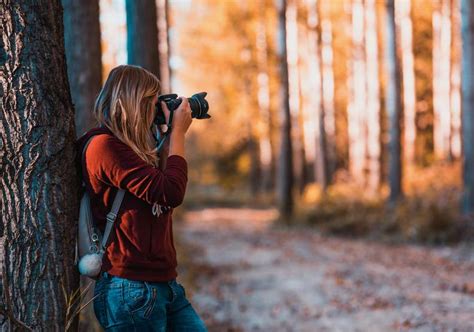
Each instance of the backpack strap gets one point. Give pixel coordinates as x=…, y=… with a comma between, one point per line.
x=112, y=215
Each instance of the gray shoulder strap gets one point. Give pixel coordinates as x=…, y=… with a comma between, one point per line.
x=112, y=215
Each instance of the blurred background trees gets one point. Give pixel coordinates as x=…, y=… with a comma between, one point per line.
x=315, y=100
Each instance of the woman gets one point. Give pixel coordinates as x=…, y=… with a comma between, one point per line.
x=137, y=288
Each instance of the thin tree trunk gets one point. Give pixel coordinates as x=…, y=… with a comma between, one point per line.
x=164, y=45
x=308, y=73
x=142, y=35
x=83, y=53
x=294, y=93
x=373, y=99
x=467, y=85
x=455, y=86
x=39, y=185
x=285, y=170
x=405, y=26
x=381, y=41
x=321, y=162
x=394, y=106
x=263, y=99
x=341, y=38
x=357, y=104
x=422, y=49
x=441, y=78
x=327, y=84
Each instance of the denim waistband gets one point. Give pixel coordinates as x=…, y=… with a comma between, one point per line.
x=108, y=276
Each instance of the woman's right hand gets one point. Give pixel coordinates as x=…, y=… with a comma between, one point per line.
x=179, y=126
x=181, y=117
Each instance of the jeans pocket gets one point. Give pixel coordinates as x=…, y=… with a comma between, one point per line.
x=137, y=295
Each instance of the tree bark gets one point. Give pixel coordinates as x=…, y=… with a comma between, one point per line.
x=263, y=98
x=441, y=78
x=83, y=53
x=373, y=99
x=467, y=99
x=39, y=184
x=142, y=35
x=285, y=162
x=455, y=79
x=381, y=41
x=422, y=50
x=405, y=26
x=321, y=160
x=358, y=97
x=164, y=45
x=394, y=105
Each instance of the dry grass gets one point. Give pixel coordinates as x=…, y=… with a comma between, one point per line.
x=429, y=212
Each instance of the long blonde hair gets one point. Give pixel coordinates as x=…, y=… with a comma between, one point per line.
x=124, y=105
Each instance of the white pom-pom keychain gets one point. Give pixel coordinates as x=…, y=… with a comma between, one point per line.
x=90, y=265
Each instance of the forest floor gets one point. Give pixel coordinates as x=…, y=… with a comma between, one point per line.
x=250, y=275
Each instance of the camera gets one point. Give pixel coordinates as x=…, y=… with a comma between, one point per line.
x=198, y=104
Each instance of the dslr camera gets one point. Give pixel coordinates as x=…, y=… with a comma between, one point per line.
x=198, y=104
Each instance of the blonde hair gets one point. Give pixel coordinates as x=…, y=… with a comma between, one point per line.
x=125, y=106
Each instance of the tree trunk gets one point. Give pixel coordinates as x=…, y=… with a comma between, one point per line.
x=341, y=51
x=142, y=35
x=321, y=161
x=441, y=78
x=39, y=196
x=297, y=137
x=285, y=162
x=422, y=49
x=263, y=100
x=327, y=85
x=381, y=42
x=405, y=26
x=373, y=99
x=394, y=106
x=467, y=99
x=164, y=45
x=83, y=53
x=358, y=100
x=455, y=86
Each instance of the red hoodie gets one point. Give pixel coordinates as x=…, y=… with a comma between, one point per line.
x=141, y=242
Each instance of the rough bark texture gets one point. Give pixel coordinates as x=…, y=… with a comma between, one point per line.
x=467, y=100
x=394, y=105
x=142, y=35
x=39, y=197
x=285, y=162
x=83, y=53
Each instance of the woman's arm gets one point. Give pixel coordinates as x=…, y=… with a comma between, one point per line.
x=116, y=164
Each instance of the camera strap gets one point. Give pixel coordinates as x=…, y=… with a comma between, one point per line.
x=161, y=139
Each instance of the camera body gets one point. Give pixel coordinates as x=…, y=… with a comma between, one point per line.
x=198, y=103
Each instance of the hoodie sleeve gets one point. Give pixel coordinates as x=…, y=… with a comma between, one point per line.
x=116, y=164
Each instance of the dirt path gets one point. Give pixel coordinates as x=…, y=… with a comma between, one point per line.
x=254, y=277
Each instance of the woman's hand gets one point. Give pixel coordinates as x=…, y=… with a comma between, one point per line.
x=182, y=116
x=180, y=124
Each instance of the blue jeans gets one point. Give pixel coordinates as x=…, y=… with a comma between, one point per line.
x=130, y=305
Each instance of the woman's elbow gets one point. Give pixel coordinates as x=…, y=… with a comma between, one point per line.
x=175, y=196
